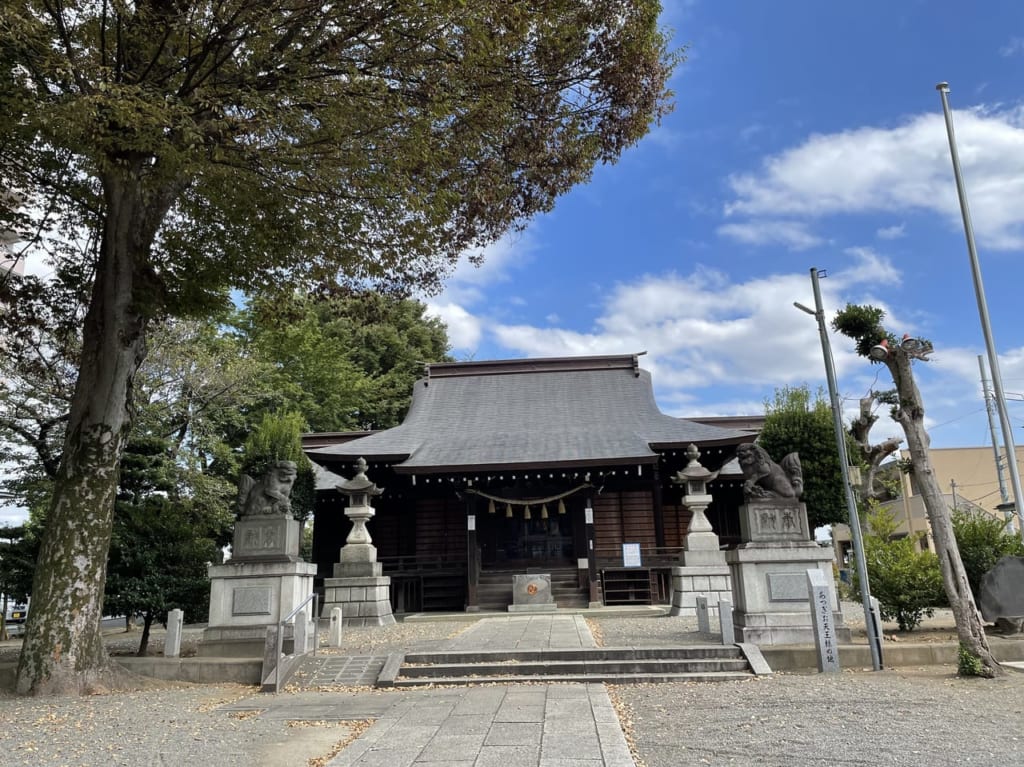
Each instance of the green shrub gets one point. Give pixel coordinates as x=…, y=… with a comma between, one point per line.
x=969, y=664
x=906, y=582
x=983, y=541
x=279, y=438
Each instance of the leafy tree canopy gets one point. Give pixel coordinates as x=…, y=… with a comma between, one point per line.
x=196, y=147
x=303, y=141
x=345, y=361
x=799, y=421
x=163, y=539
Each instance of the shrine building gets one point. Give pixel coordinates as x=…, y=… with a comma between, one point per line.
x=560, y=465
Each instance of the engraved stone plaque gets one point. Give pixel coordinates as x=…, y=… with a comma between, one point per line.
x=250, y=600
x=265, y=537
x=771, y=521
x=787, y=587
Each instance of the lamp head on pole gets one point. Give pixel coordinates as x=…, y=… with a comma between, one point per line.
x=880, y=351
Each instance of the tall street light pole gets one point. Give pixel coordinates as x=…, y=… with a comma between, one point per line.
x=986, y=326
x=874, y=640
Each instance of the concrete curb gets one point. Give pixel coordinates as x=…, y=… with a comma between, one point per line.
x=804, y=657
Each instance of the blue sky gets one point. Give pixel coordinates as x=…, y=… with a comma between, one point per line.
x=804, y=134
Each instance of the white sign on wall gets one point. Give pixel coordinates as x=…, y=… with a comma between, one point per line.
x=631, y=555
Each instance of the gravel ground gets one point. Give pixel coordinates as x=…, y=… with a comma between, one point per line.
x=914, y=717
x=906, y=717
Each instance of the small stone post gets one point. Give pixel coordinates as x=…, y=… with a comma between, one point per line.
x=301, y=634
x=172, y=642
x=335, y=631
x=703, y=622
x=725, y=622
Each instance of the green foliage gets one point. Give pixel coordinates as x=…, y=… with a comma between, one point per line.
x=983, y=541
x=18, y=552
x=279, y=438
x=863, y=324
x=346, y=361
x=969, y=664
x=163, y=541
x=906, y=582
x=340, y=142
x=797, y=421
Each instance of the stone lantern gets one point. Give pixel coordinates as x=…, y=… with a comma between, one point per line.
x=701, y=545
x=702, y=573
x=359, y=587
x=358, y=555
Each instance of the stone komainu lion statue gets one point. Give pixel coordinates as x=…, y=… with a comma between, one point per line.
x=269, y=495
x=763, y=478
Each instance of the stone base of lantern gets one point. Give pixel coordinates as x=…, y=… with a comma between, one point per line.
x=365, y=600
x=688, y=583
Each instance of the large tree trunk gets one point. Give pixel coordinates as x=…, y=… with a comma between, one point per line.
x=62, y=652
x=970, y=630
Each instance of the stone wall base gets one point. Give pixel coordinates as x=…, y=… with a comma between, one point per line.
x=688, y=583
x=364, y=601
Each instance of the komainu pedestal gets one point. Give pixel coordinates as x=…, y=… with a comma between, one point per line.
x=769, y=575
x=265, y=579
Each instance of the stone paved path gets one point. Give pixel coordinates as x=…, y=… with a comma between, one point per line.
x=535, y=725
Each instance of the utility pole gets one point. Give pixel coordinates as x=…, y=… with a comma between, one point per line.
x=986, y=325
x=1003, y=495
x=874, y=639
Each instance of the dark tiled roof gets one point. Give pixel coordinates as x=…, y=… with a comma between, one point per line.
x=564, y=411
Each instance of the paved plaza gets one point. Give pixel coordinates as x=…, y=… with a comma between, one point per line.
x=536, y=725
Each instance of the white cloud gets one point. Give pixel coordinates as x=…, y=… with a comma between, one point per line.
x=465, y=289
x=902, y=168
x=894, y=232
x=792, y=234
x=703, y=330
x=464, y=330
x=1012, y=48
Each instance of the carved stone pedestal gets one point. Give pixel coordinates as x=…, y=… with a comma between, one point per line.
x=249, y=594
x=265, y=580
x=769, y=575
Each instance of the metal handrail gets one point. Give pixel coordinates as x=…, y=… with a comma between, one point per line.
x=280, y=635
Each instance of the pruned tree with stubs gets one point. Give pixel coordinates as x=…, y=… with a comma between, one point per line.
x=198, y=147
x=863, y=324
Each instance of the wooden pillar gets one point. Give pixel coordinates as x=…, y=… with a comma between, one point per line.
x=591, y=555
x=659, y=512
x=472, y=557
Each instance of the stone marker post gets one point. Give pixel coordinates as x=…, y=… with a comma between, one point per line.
x=334, y=633
x=172, y=642
x=703, y=624
x=823, y=621
x=725, y=622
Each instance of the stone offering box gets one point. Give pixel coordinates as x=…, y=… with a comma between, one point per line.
x=531, y=593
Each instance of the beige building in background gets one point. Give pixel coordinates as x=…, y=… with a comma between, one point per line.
x=968, y=478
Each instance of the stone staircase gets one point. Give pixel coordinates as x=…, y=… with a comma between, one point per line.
x=494, y=589
x=623, y=665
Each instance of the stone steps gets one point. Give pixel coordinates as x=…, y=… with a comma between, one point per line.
x=623, y=665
